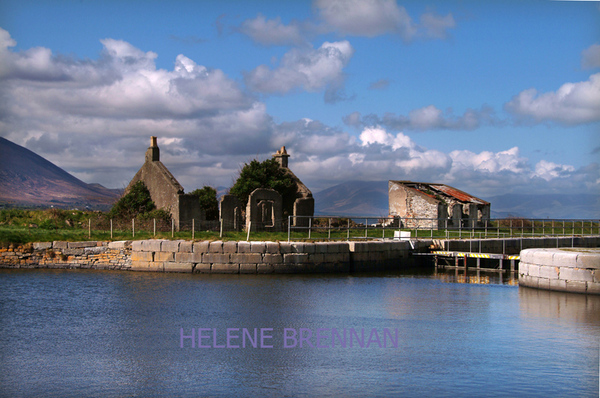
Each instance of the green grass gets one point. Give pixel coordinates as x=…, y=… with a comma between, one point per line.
x=19, y=226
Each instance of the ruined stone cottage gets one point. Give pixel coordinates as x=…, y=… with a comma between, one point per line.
x=165, y=190
x=264, y=210
x=426, y=205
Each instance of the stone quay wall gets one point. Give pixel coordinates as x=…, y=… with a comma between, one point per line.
x=567, y=270
x=215, y=256
x=270, y=257
x=59, y=254
x=515, y=245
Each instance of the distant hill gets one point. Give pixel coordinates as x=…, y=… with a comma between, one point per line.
x=27, y=179
x=353, y=198
x=370, y=198
x=556, y=206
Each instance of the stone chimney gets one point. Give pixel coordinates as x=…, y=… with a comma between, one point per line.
x=153, y=153
x=282, y=157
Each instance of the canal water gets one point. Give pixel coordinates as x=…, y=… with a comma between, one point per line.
x=98, y=333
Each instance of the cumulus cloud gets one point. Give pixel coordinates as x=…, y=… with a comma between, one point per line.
x=590, y=57
x=311, y=70
x=571, y=104
x=433, y=118
x=94, y=118
x=273, y=31
x=436, y=26
x=366, y=17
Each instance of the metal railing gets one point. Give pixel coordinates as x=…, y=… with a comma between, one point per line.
x=352, y=227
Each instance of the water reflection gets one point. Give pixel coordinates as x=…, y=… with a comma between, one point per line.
x=91, y=333
x=571, y=307
x=477, y=277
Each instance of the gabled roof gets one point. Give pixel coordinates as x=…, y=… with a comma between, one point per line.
x=442, y=190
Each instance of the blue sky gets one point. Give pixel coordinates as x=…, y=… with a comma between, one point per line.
x=488, y=96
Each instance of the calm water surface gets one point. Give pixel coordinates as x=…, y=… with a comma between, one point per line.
x=95, y=333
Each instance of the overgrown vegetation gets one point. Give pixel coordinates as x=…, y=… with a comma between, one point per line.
x=266, y=174
x=207, y=196
x=137, y=203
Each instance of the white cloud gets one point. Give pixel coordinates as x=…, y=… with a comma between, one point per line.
x=436, y=26
x=549, y=170
x=430, y=118
x=590, y=57
x=572, y=103
x=366, y=17
x=272, y=31
x=311, y=70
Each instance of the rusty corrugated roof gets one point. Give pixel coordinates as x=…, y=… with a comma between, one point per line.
x=458, y=194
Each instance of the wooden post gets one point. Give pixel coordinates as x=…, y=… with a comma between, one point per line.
x=172, y=228
x=348, y=230
x=111, y=229
x=249, y=229
x=221, y=229
x=329, y=230
x=309, y=226
x=154, y=226
x=193, y=228
x=89, y=228
x=133, y=227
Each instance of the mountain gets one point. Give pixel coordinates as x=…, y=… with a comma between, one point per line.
x=353, y=198
x=557, y=206
x=27, y=179
x=370, y=198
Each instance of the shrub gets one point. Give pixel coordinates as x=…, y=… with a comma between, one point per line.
x=266, y=174
x=207, y=196
x=136, y=202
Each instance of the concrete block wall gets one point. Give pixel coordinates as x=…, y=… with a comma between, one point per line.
x=567, y=270
x=515, y=245
x=268, y=257
x=59, y=254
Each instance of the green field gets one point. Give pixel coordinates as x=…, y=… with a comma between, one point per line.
x=19, y=226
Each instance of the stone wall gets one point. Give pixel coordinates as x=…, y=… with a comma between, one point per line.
x=269, y=257
x=91, y=255
x=568, y=270
x=514, y=245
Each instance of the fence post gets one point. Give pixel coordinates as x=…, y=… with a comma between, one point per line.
x=366, y=228
x=289, y=226
x=309, y=226
x=193, y=228
x=154, y=226
x=249, y=229
x=329, y=230
x=133, y=227
x=111, y=229
x=511, y=231
x=348, y=230
x=89, y=228
x=486, y=223
x=221, y=228
x=172, y=228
